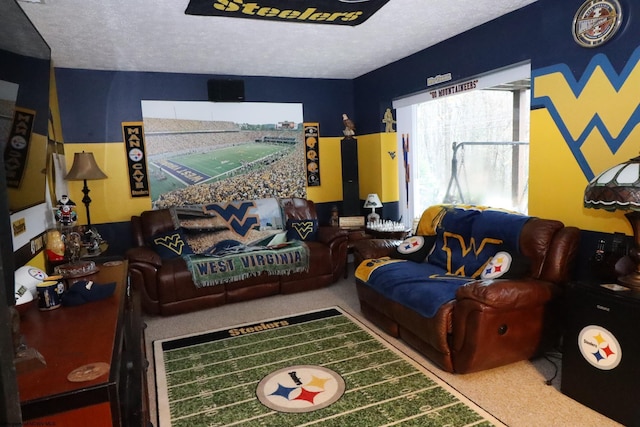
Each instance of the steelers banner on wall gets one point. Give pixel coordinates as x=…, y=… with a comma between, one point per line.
x=343, y=12
x=15, y=153
x=133, y=133
x=312, y=153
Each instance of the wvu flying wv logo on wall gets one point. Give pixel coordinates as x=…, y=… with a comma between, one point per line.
x=597, y=113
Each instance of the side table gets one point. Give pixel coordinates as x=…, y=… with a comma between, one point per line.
x=392, y=235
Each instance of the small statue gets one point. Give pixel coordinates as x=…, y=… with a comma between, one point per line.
x=388, y=120
x=66, y=214
x=349, y=127
x=335, y=220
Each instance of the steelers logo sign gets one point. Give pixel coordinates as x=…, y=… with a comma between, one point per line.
x=135, y=154
x=18, y=142
x=301, y=388
x=596, y=22
x=599, y=347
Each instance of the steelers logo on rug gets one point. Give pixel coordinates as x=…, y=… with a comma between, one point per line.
x=302, y=388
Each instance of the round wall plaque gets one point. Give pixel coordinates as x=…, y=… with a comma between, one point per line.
x=596, y=22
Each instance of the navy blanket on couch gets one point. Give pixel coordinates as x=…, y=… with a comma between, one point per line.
x=466, y=241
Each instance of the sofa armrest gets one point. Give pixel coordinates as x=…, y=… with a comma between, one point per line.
x=327, y=234
x=373, y=249
x=507, y=293
x=145, y=255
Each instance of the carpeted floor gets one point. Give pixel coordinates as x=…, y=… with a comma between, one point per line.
x=515, y=394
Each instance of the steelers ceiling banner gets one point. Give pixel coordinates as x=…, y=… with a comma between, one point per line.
x=336, y=12
x=133, y=134
x=312, y=150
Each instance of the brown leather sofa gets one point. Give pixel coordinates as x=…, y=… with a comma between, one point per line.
x=166, y=286
x=489, y=323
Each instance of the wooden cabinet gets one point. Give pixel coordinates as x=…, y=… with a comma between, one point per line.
x=107, y=331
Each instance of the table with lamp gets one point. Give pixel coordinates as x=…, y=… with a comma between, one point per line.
x=382, y=229
x=81, y=241
x=600, y=347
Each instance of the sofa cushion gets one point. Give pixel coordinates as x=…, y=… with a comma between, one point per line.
x=422, y=287
x=414, y=248
x=170, y=244
x=302, y=229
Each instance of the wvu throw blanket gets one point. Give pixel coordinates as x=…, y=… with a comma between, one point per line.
x=467, y=239
x=244, y=221
x=240, y=262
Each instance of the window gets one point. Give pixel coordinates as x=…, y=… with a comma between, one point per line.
x=470, y=147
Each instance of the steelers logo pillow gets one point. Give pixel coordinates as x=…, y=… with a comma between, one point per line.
x=505, y=266
x=415, y=248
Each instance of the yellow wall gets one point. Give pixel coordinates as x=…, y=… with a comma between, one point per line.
x=586, y=124
x=378, y=159
x=111, y=199
x=330, y=188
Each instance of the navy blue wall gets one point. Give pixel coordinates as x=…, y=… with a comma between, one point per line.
x=540, y=33
x=93, y=104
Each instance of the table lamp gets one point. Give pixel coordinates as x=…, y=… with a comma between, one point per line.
x=85, y=168
x=373, y=202
x=618, y=188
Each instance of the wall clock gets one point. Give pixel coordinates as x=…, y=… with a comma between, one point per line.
x=596, y=22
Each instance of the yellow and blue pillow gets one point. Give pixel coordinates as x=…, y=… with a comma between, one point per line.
x=302, y=229
x=170, y=244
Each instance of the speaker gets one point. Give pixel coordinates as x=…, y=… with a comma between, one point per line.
x=225, y=90
x=350, y=182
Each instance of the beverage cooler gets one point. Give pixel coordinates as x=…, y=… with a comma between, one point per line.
x=601, y=350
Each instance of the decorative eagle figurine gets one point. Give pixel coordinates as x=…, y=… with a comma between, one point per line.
x=349, y=128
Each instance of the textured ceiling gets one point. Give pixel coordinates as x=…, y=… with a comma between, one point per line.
x=156, y=35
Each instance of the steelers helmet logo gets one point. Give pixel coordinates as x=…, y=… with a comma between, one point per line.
x=135, y=154
x=596, y=22
x=311, y=142
x=301, y=388
x=18, y=142
x=312, y=167
x=599, y=347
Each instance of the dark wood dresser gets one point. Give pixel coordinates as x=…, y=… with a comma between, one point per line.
x=109, y=331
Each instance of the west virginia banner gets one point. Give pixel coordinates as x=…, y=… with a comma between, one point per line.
x=133, y=134
x=342, y=12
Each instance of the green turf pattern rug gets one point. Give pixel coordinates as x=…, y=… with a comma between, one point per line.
x=321, y=368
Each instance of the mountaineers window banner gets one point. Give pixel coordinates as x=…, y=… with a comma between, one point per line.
x=337, y=12
x=133, y=134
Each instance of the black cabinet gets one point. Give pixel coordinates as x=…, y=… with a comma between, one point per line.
x=350, y=183
x=601, y=350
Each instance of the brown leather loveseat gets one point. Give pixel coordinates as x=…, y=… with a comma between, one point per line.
x=488, y=321
x=166, y=285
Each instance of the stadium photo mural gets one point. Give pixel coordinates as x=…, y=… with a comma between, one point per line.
x=207, y=152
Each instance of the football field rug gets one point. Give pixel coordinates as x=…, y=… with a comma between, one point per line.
x=320, y=368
